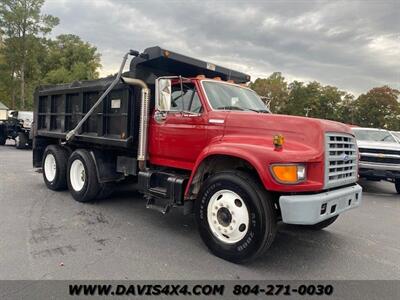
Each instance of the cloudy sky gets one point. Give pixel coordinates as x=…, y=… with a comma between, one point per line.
x=354, y=45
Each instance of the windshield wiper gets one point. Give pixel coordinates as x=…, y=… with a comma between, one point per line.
x=244, y=108
x=230, y=107
x=263, y=111
x=387, y=136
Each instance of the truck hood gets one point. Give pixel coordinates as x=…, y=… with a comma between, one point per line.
x=300, y=133
x=378, y=145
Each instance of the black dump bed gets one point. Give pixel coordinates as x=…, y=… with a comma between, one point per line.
x=59, y=108
x=155, y=62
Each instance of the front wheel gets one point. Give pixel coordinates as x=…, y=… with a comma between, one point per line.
x=397, y=185
x=235, y=216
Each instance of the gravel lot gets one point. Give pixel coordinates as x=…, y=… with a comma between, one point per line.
x=47, y=235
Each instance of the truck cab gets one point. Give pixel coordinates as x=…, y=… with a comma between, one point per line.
x=203, y=141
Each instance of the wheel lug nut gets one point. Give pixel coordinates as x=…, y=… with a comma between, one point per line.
x=225, y=230
x=231, y=228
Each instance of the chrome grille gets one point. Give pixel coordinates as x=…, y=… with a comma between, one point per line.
x=340, y=159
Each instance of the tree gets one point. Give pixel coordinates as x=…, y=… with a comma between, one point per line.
x=347, y=109
x=69, y=58
x=22, y=24
x=380, y=108
x=300, y=101
x=274, y=89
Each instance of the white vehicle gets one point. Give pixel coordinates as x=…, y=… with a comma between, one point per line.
x=396, y=134
x=379, y=155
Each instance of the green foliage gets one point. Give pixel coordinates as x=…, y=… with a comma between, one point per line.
x=315, y=100
x=69, y=58
x=28, y=59
x=379, y=107
x=274, y=90
x=22, y=26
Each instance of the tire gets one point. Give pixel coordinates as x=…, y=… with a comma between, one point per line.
x=54, y=166
x=240, y=244
x=323, y=224
x=82, y=176
x=397, y=185
x=21, y=140
x=106, y=190
x=2, y=140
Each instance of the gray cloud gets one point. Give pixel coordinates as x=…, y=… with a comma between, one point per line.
x=354, y=45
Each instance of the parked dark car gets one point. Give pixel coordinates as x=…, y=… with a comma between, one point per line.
x=17, y=127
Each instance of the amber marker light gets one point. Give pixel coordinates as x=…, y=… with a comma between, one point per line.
x=289, y=173
x=166, y=53
x=278, y=141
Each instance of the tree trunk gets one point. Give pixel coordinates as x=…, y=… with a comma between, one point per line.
x=23, y=85
x=13, y=104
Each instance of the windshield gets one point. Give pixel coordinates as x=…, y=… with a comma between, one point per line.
x=396, y=134
x=374, y=135
x=224, y=96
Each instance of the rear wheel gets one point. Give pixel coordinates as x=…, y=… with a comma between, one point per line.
x=54, y=166
x=21, y=140
x=106, y=190
x=82, y=176
x=397, y=185
x=2, y=140
x=235, y=216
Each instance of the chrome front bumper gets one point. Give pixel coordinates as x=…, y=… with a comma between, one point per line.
x=314, y=208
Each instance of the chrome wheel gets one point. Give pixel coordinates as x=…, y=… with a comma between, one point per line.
x=50, y=167
x=77, y=175
x=228, y=216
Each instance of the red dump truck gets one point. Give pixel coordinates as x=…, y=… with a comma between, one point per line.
x=191, y=134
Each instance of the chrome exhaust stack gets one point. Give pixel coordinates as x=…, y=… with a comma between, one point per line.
x=144, y=120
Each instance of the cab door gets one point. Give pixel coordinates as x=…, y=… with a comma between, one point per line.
x=178, y=138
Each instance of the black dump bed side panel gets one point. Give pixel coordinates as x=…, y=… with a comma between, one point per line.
x=59, y=108
x=155, y=62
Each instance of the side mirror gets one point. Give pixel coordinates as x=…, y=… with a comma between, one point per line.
x=163, y=94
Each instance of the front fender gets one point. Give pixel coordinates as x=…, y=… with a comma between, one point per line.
x=260, y=157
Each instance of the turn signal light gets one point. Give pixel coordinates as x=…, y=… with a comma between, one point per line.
x=289, y=173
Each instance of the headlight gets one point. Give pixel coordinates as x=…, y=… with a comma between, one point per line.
x=289, y=173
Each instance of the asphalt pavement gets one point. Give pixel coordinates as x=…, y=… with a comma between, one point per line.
x=47, y=235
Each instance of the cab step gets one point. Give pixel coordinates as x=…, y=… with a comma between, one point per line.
x=159, y=205
x=163, y=190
